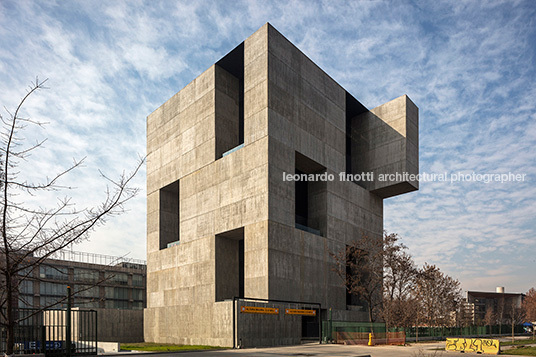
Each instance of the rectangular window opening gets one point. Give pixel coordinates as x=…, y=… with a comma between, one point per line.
x=353, y=109
x=229, y=102
x=169, y=215
x=230, y=264
x=310, y=197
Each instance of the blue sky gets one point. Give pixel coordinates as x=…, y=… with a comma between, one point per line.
x=468, y=65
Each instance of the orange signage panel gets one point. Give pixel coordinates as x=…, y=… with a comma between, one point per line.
x=300, y=312
x=259, y=310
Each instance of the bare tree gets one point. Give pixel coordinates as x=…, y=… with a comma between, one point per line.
x=438, y=295
x=529, y=308
x=382, y=274
x=379, y=273
x=489, y=318
x=501, y=306
x=30, y=235
x=464, y=316
x=360, y=268
x=514, y=314
x=399, y=273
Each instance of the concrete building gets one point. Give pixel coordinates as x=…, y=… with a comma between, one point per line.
x=222, y=221
x=499, y=306
x=113, y=286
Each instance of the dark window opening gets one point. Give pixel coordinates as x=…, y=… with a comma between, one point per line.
x=169, y=215
x=230, y=264
x=230, y=102
x=353, y=109
x=310, y=197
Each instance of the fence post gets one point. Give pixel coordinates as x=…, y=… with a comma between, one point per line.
x=329, y=337
x=96, y=332
x=68, y=324
x=43, y=339
x=234, y=322
x=319, y=324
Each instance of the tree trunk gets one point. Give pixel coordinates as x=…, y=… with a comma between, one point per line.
x=10, y=338
x=513, y=338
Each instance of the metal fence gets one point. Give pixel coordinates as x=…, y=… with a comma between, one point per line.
x=332, y=330
x=53, y=332
x=443, y=332
x=343, y=331
x=369, y=338
x=102, y=259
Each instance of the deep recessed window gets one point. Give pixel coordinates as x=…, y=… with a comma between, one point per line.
x=353, y=109
x=169, y=215
x=230, y=264
x=310, y=196
x=229, y=102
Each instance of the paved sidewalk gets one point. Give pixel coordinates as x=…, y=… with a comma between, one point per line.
x=435, y=349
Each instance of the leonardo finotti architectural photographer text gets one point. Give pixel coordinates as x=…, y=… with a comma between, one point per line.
x=405, y=176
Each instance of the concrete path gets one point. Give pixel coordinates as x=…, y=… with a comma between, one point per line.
x=327, y=350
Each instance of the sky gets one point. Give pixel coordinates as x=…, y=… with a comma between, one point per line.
x=468, y=65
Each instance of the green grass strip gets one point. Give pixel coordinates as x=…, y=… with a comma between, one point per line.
x=161, y=347
x=518, y=342
x=521, y=351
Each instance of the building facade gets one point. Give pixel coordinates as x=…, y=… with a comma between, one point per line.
x=490, y=308
x=115, y=287
x=225, y=219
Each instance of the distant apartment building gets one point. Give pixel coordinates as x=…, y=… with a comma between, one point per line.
x=114, y=286
x=498, y=306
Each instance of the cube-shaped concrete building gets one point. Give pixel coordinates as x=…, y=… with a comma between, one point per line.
x=222, y=220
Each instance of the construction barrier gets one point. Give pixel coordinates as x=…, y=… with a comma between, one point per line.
x=367, y=338
x=478, y=345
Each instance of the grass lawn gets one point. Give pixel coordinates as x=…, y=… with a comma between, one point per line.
x=523, y=351
x=518, y=342
x=161, y=347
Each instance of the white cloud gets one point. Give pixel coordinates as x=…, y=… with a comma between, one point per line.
x=469, y=70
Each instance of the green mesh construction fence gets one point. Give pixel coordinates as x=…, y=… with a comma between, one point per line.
x=463, y=331
x=331, y=328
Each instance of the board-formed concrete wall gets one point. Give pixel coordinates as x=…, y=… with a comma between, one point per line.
x=387, y=142
x=116, y=325
x=295, y=118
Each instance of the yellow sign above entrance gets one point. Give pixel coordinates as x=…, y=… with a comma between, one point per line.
x=300, y=312
x=259, y=310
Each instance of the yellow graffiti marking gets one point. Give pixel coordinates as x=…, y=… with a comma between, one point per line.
x=478, y=345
